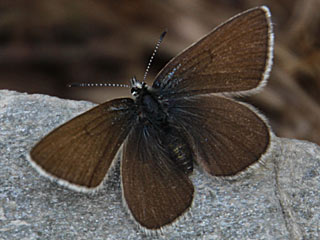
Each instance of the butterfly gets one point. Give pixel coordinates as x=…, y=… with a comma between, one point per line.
x=187, y=116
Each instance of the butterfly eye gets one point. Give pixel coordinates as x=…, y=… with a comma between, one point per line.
x=135, y=91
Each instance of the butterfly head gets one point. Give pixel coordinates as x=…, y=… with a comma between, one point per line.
x=137, y=87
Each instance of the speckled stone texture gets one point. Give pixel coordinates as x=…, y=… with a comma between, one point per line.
x=280, y=200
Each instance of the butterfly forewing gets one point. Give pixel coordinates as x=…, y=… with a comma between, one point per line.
x=228, y=136
x=81, y=151
x=234, y=57
x=156, y=191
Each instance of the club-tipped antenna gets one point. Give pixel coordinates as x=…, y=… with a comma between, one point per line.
x=154, y=53
x=98, y=85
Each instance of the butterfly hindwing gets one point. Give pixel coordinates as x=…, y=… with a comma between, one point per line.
x=155, y=190
x=228, y=136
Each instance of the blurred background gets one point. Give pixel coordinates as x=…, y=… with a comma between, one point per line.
x=45, y=45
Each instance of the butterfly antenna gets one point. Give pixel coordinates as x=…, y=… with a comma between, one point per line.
x=153, y=54
x=98, y=85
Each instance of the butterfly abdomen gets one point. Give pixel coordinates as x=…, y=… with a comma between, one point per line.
x=178, y=149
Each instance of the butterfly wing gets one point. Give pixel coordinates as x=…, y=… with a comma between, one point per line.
x=235, y=57
x=156, y=191
x=227, y=136
x=80, y=152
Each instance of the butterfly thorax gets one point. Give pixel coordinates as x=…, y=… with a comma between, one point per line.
x=150, y=110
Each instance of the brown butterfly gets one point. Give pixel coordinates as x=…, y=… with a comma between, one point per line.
x=186, y=116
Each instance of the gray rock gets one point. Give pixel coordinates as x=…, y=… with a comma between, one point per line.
x=277, y=201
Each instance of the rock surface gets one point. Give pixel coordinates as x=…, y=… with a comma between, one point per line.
x=280, y=200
